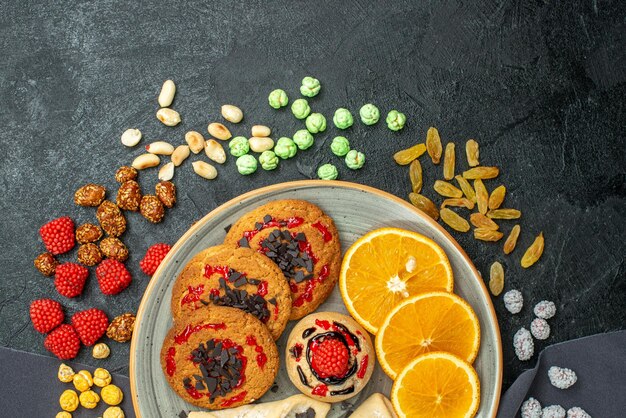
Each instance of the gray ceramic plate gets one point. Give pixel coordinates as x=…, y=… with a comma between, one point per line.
x=356, y=210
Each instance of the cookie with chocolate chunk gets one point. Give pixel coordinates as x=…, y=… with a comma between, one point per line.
x=302, y=240
x=237, y=277
x=219, y=358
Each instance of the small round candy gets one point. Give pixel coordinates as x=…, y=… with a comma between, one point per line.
x=327, y=172
x=278, y=98
x=268, y=160
x=82, y=380
x=316, y=122
x=285, y=148
x=239, y=146
x=112, y=395
x=355, y=159
x=246, y=164
x=340, y=146
x=63, y=414
x=65, y=373
x=300, y=108
x=68, y=400
x=369, y=114
x=310, y=86
x=343, y=118
x=303, y=139
x=113, y=412
x=101, y=377
x=89, y=399
x=395, y=120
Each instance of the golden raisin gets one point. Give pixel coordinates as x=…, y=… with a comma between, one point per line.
x=448, y=162
x=511, y=241
x=472, y=152
x=446, y=189
x=458, y=202
x=485, y=234
x=424, y=204
x=481, y=221
x=433, y=145
x=166, y=192
x=468, y=191
x=534, y=252
x=415, y=175
x=496, y=278
x=89, y=195
x=497, y=197
x=46, y=264
x=482, y=196
x=504, y=214
x=483, y=173
x=405, y=156
x=453, y=220
x=114, y=248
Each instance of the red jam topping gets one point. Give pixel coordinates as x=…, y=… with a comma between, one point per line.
x=194, y=393
x=170, y=363
x=276, y=311
x=214, y=292
x=193, y=294
x=362, y=367
x=307, y=295
x=322, y=323
x=296, y=351
x=189, y=330
x=323, y=230
x=261, y=358
x=305, y=247
x=293, y=287
x=262, y=289
x=290, y=222
x=210, y=270
x=237, y=398
x=320, y=390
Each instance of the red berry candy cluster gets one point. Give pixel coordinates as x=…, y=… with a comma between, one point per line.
x=153, y=258
x=330, y=359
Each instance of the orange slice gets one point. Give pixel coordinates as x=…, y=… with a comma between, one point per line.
x=436, y=385
x=435, y=321
x=387, y=266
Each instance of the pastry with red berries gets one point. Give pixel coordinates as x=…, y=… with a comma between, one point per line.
x=329, y=357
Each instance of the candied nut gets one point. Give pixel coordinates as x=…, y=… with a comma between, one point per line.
x=260, y=144
x=100, y=351
x=125, y=173
x=68, y=400
x=121, y=328
x=215, y=151
x=112, y=247
x=89, y=254
x=523, y=344
x=232, y=113
x=88, y=233
x=261, y=131
x=65, y=373
x=205, y=170
x=111, y=218
x=131, y=137
x=89, y=195
x=166, y=172
x=113, y=412
x=151, y=208
x=180, y=154
x=112, y=395
x=166, y=192
x=219, y=131
x=129, y=195
x=146, y=161
x=101, y=377
x=160, y=148
x=82, y=380
x=168, y=117
x=195, y=140
x=89, y=399
x=46, y=264
x=166, y=97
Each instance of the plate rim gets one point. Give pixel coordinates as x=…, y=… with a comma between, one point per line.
x=314, y=183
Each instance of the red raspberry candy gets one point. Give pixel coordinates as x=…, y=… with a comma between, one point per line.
x=69, y=279
x=58, y=235
x=63, y=342
x=46, y=315
x=330, y=358
x=153, y=258
x=90, y=325
x=112, y=276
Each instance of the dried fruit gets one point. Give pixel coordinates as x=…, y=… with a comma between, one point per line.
x=111, y=218
x=484, y=234
x=415, y=174
x=504, y=214
x=113, y=277
x=483, y=173
x=46, y=315
x=533, y=253
x=63, y=342
x=88, y=233
x=453, y=220
x=89, y=254
x=468, y=191
x=458, y=202
x=129, y=196
x=121, y=328
x=496, y=278
x=166, y=192
x=433, y=145
x=471, y=150
x=511, y=241
x=424, y=204
x=195, y=140
x=151, y=208
x=58, y=235
x=481, y=221
x=449, y=162
x=446, y=189
x=112, y=247
x=482, y=196
x=540, y=329
x=46, y=264
x=405, y=156
x=497, y=197
x=125, y=173
x=561, y=377
x=89, y=195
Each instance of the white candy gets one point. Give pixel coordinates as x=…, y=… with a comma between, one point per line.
x=553, y=411
x=513, y=301
x=523, y=343
x=531, y=408
x=545, y=309
x=562, y=378
x=577, y=412
x=540, y=328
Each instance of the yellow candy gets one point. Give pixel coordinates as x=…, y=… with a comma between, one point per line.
x=63, y=415
x=112, y=394
x=65, y=374
x=101, y=377
x=113, y=412
x=69, y=400
x=89, y=399
x=83, y=380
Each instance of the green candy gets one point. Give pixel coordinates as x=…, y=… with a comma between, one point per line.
x=246, y=164
x=300, y=108
x=316, y=122
x=303, y=139
x=239, y=146
x=268, y=160
x=369, y=114
x=340, y=146
x=395, y=120
x=355, y=160
x=310, y=86
x=285, y=148
x=278, y=98
x=327, y=172
x=343, y=118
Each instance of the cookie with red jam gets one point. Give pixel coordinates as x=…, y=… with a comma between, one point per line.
x=219, y=358
x=237, y=277
x=329, y=357
x=304, y=243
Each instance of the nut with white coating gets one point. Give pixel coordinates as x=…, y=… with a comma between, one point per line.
x=166, y=97
x=131, y=137
x=540, y=328
x=561, y=377
x=523, y=344
x=545, y=309
x=513, y=301
x=577, y=412
x=168, y=117
x=531, y=408
x=553, y=411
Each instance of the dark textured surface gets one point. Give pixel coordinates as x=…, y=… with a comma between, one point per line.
x=540, y=85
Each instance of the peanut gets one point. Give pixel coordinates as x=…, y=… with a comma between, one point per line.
x=166, y=97
x=205, y=170
x=180, y=154
x=166, y=172
x=146, y=161
x=167, y=116
x=195, y=141
x=260, y=144
x=160, y=148
x=215, y=151
x=261, y=131
x=219, y=131
x=131, y=137
x=232, y=113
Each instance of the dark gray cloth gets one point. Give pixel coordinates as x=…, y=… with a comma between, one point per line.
x=30, y=388
x=600, y=364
